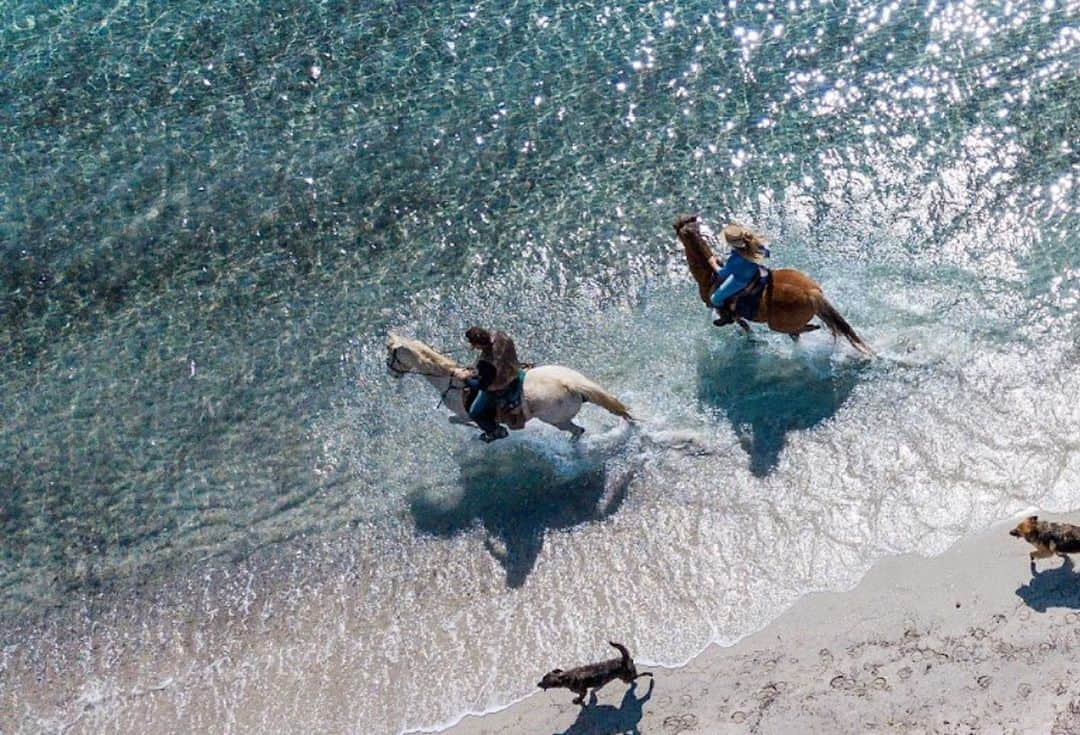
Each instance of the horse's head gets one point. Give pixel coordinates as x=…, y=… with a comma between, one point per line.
x=405, y=355
x=400, y=358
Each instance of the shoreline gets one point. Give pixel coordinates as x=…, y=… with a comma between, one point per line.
x=966, y=641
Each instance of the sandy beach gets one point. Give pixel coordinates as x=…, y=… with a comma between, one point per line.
x=242, y=245
x=971, y=641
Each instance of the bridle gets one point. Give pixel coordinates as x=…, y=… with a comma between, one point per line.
x=400, y=369
x=393, y=361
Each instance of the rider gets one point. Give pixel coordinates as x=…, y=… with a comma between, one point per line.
x=739, y=270
x=496, y=377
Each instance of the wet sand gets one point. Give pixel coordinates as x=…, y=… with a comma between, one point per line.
x=971, y=641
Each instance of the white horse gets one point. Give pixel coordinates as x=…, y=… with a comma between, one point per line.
x=552, y=393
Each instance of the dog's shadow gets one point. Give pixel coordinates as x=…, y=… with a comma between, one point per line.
x=1057, y=587
x=517, y=489
x=766, y=396
x=603, y=719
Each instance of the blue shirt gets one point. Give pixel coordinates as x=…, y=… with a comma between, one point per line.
x=744, y=269
x=738, y=272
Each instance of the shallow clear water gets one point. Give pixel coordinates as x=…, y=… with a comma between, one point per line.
x=220, y=513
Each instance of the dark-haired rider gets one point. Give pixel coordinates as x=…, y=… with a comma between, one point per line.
x=497, y=377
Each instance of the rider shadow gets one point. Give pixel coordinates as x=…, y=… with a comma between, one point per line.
x=517, y=491
x=1055, y=587
x=766, y=396
x=604, y=719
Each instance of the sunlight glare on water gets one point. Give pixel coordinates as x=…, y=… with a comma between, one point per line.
x=220, y=513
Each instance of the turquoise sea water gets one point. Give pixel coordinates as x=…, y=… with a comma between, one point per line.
x=218, y=510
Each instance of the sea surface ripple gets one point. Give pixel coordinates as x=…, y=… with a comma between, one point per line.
x=219, y=513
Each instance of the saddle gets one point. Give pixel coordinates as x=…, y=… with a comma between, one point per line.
x=511, y=402
x=748, y=300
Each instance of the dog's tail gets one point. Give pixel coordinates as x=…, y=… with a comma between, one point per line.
x=626, y=660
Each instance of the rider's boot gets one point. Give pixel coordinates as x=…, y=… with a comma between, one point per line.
x=723, y=316
x=499, y=432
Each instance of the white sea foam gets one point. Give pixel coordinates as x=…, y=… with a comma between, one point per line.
x=228, y=518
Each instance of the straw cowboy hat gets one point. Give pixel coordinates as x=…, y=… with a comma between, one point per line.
x=750, y=244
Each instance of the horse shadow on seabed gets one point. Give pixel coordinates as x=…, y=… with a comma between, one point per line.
x=766, y=395
x=594, y=719
x=1054, y=587
x=517, y=489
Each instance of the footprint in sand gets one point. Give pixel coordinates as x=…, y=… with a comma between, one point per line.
x=767, y=693
x=679, y=723
x=842, y=682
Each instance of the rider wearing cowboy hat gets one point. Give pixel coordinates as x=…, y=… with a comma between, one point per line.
x=497, y=377
x=740, y=269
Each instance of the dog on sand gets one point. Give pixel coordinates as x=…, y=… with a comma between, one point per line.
x=1048, y=538
x=593, y=676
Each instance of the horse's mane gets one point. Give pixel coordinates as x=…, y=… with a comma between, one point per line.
x=437, y=359
x=698, y=253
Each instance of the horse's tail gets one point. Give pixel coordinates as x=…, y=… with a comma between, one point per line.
x=838, y=325
x=593, y=393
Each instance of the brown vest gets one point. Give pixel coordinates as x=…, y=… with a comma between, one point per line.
x=502, y=355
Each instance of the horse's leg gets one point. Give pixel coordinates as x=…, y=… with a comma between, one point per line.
x=558, y=408
x=808, y=328
x=575, y=430
x=750, y=336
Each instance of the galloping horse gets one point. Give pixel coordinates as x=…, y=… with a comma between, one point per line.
x=789, y=301
x=551, y=393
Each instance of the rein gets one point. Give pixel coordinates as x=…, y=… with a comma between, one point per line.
x=396, y=366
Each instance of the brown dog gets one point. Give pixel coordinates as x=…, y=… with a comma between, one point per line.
x=1048, y=538
x=593, y=676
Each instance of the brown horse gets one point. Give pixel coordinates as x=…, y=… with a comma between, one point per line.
x=789, y=301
